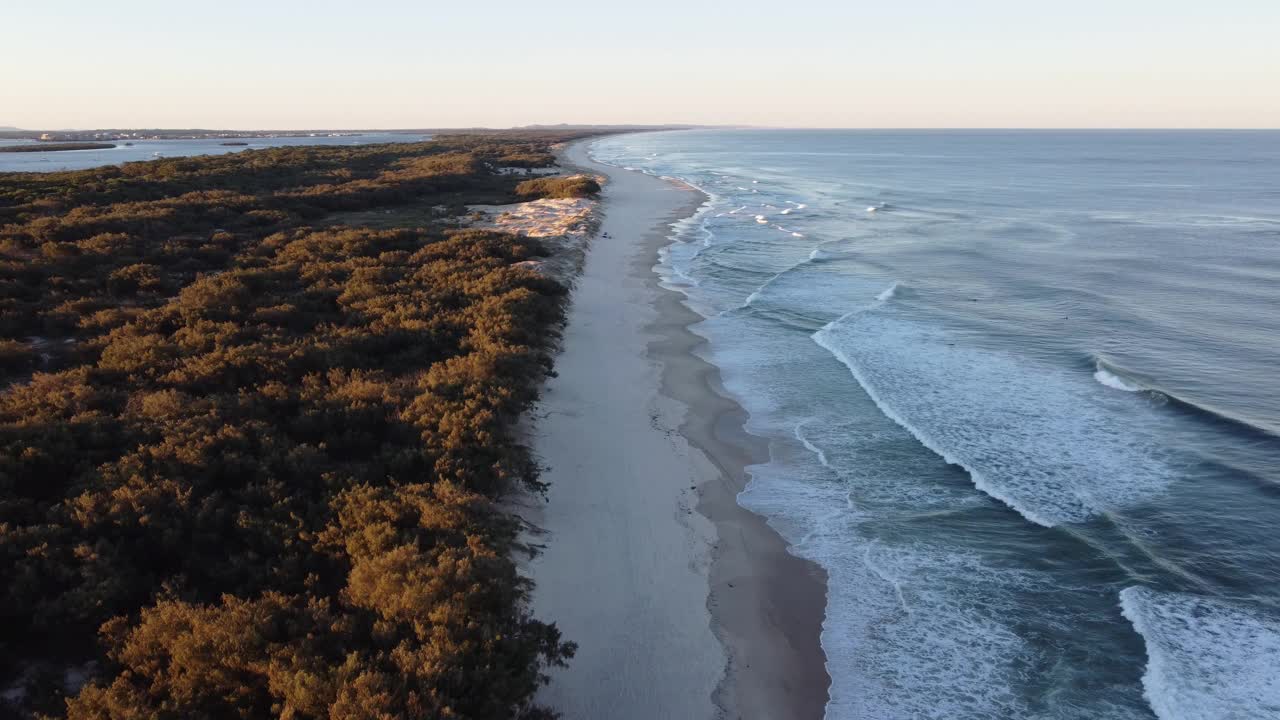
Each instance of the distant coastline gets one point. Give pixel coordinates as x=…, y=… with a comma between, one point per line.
x=55, y=147
x=129, y=149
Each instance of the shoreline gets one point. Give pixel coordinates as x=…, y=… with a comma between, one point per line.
x=767, y=605
x=759, y=610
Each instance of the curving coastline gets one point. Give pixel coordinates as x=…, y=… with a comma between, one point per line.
x=767, y=605
x=683, y=603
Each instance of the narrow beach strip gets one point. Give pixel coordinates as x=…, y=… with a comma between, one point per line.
x=683, y=604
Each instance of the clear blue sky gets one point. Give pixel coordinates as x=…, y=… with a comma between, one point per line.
x=856, y=63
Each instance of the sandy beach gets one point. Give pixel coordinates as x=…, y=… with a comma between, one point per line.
x=683, y=604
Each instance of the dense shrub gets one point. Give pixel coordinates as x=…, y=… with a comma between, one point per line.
x=558, y=187
x=256, y=475
x=17, y=357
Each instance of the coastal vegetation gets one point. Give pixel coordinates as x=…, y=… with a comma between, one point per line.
x=54, y=147
x=558, y=187
x=250, y=450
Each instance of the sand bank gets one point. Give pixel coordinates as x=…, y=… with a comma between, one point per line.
x=683, y=604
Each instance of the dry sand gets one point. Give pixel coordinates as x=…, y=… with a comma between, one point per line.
x=564, y=225
x=683, y=604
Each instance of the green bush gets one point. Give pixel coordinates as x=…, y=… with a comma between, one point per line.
x=558, y=187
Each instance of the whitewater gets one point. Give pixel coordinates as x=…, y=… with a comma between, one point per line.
x=1018, y=392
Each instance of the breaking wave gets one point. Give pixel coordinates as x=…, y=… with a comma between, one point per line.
x=1206, y=658
x=1039, y=440
x=1111, y=380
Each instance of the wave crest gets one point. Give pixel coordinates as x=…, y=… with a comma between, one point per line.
x=1206, y=658
x=1111, y=380
x=1047, y=443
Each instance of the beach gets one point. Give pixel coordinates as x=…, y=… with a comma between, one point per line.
x=682, y=603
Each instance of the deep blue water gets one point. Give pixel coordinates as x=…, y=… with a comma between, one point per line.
x=152, y=149
x=1022, y=392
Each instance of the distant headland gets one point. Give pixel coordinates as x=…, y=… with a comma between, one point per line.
x=53, y=147
x=117, y=134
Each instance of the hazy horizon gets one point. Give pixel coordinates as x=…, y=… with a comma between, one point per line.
x=391, y=64
x=672, y=126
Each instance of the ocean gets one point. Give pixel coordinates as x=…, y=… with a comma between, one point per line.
x=1022, y=396
x=153, y=149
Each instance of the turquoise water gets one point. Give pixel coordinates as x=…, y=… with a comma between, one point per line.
x=1021, y=395
x=153, y=149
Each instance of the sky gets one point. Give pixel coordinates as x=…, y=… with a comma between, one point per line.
x=283, y=64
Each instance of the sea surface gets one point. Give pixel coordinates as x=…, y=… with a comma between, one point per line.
x=1022, y=393
x=153, y=149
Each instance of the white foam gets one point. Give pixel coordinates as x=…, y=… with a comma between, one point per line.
x=1207, y=659
x=796, y=234
x=888, y=293
x=1043, y=441
x=817, y=451
x=762, y=220
x=1105, y=377
x=911, y=630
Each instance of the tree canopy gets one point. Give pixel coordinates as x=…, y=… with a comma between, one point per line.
x=249, y=453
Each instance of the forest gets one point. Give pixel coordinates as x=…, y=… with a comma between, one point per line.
x=250, y=450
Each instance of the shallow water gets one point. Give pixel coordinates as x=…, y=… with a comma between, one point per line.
x=154, y=149
x=1020, y=394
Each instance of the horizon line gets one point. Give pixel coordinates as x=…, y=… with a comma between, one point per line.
x=653, y=126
